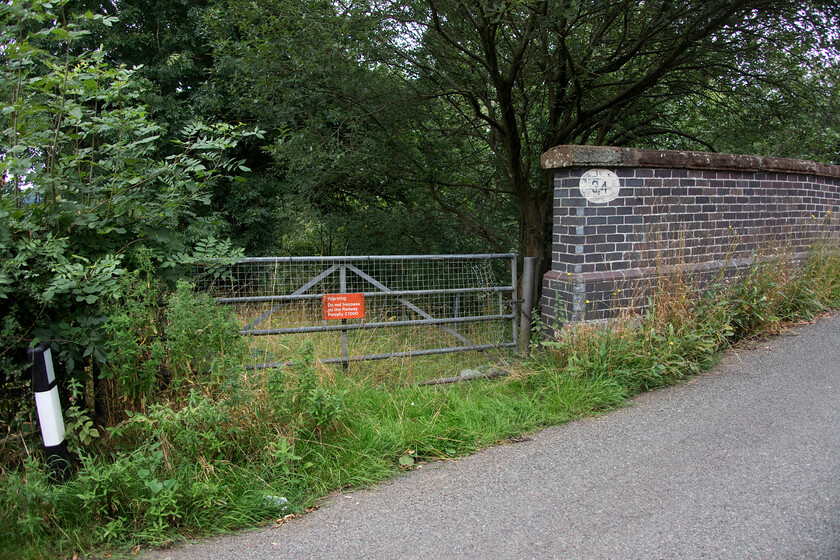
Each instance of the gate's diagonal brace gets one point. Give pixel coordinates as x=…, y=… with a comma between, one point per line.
x=299, y=291
x=408, y=304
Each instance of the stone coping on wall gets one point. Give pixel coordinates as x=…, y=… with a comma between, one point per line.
x=611, y=156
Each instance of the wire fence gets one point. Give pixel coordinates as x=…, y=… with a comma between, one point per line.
x=365, y=308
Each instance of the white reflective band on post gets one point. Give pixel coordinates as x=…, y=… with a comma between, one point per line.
x=49, y=417
x=48, y=363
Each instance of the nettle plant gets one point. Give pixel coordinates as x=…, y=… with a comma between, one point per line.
x=88, y=182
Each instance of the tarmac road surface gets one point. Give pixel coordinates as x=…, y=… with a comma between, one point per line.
x=740, y=462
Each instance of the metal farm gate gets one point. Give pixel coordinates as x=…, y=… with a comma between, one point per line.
x=368, y=308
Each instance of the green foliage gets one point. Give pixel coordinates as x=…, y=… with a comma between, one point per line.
x=503, y=82
x=159, y=344
x=79, y=428
x=418, y=126
x=344, y=169
x=215, y=453
x=822, y=273
x=84, y=191
x=202, y=338
x=314, y=405
x=183, y=444
x=139, y=495
x=109, y=188
x=794, y=115
x=198, y=432
x=136, y=347
x=680, y=333
x=26, y=503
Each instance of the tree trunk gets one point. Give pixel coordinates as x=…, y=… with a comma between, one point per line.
x=535, y=230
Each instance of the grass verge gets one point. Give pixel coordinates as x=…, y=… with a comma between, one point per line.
x=215, y=450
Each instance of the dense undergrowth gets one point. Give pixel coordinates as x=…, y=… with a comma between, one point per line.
x=195, y=444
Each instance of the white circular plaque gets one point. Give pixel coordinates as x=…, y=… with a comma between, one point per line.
x=599, y=185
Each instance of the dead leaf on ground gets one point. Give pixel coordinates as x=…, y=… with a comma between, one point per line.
x=286, y=518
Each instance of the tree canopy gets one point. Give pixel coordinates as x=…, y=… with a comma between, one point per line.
x=441, y=108
x=519, y=77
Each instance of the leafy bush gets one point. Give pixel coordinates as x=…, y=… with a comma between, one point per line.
x=194, y=433
x=26, y=506
x=311, y=405
x=90, y=187
x=156, y=349
x=202, y=339
x=136, y=344
x=186, y=439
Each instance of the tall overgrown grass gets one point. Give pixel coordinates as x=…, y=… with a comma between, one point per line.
x=197, y=444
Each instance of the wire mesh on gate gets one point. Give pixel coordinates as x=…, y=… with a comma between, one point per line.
x=413, y=305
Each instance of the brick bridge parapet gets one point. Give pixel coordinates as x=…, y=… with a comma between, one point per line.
x=623, y=216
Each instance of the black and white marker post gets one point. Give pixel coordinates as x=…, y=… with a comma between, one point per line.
x=49, y=412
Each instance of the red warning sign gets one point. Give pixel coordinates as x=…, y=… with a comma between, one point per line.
x=344, y=306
